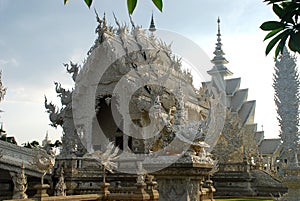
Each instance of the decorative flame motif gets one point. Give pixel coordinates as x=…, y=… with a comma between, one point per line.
x=43, y=161
x=106, y=159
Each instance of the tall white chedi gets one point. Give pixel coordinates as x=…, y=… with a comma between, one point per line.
x=286, y=85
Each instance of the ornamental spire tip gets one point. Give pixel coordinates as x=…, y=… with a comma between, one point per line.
x=152, y=24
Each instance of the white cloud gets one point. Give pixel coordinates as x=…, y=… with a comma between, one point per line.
x=9, y=62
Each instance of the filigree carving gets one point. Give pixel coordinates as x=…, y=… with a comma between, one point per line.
x=103, y=31
x=230, y=144
x=172, y=190
x=106, y=159
x=43, y=162
x=20, y=182
x=60, y=187
x=286, y=85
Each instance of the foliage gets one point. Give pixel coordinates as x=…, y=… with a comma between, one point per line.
x=56, y=144
x=131, y=4
x=35, y=143
x=31, y=144
x=288, y=26
x=8, y=139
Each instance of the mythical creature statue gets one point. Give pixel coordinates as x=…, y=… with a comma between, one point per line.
x=72, y=68
x=65, y=95
x=102, y=30
x=54, y=116
x=43, y=161
x=63, y=117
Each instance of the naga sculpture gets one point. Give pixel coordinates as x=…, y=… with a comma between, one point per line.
x=72, y=68
x=54, y=116
x=65, y=95
x=63, y=117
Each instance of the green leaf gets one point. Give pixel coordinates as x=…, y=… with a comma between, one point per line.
x=281, y=45
x=272, y=33
x=271, y=25
x=131, y=4
x=88, y=2
x=273, y=42
x=289, y=10
x=277, y=10
x=273, y=1
x=294, y=43
x=158, y=4
x=65, y=2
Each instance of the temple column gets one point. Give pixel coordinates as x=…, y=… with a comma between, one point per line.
x=125, y=142
x=268, y=163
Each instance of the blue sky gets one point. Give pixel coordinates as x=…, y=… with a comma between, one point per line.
x=36, y=37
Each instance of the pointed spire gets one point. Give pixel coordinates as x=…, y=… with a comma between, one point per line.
x=152, y=25
x=219, y=32
x=219, y=60
x=46, y=141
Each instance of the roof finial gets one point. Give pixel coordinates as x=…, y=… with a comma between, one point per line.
x=152, y=25
x=219, y=60
x=219, y=32
x=219, y=52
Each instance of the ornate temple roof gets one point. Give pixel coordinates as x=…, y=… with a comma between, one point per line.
x=232, y=85
x=259, y=136
x=246, y=113
x=269, y=146
x=238, y=99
